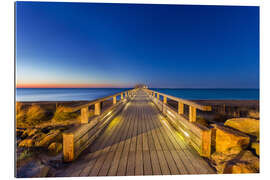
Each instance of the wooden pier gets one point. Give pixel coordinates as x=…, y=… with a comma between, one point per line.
x=138, y=135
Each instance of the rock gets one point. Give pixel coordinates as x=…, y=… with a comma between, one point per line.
x=55, y=147
x=245, y=163
x=227, y=140
x=256, y=146
x=48, y=138
x=246, y=125
x=254, y=114
x=219, y=160
x=26, y=143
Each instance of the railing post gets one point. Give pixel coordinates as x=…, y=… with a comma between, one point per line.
x=157, y=96
x=114, y=99
x=84, y=115
x=97, y=108
x=125, y=94
x=192, y=114
x=180, y=108
x=122, y=96
x=68, y=147
x=164, y=99
x=206, y=143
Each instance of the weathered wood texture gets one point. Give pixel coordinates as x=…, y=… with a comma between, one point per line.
x=197, y=135
x=78, y=138
x=138, y=141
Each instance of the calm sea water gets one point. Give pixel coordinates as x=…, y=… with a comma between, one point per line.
x=75, y=94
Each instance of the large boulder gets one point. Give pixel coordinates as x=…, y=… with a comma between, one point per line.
x=256, y=147
x=219, y=160
x=246, y=162
x=246, y=125
x=226, y=140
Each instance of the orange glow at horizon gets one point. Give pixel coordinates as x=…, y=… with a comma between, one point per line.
x=70, y=86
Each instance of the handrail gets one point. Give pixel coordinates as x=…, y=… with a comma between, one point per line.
x=75, y=140
x=198, y=135
x=97, y=109
x=184, y=101
x=73, y=109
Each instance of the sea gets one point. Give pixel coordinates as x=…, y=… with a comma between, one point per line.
x=88, y=94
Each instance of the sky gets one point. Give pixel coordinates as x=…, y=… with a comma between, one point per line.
x=120, y=45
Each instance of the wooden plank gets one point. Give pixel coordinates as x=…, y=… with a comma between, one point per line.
x=77, y=170
x=147, y=168
x=102, y=157
x=153, y=153
x=194, y=159
x=181, y=154
x=106, y=166
x=162, y=160
x=103, y=139
x=166, y=149
x=139, y=155
x=132, y=151
x=124, y=157
x=117, y=157
x=174, y=150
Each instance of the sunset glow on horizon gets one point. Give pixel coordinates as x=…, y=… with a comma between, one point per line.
x=71, y=86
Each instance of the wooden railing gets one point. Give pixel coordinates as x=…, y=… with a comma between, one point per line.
x=75, y=140
x=198, y=135
x=84, y=109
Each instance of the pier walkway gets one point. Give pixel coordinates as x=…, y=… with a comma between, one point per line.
x=138, y=140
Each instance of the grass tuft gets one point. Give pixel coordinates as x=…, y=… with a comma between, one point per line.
x=63, y=113
x=35, y=115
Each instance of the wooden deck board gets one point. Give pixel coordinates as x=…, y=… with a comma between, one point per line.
x=119, y=149
x=138, y=142
x=111, y=154
x=124, y=157
x=103, y=140
x=153, y=153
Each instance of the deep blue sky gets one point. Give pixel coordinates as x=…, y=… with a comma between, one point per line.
x=175, y=46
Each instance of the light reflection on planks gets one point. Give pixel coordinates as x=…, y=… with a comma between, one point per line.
x=138, y=142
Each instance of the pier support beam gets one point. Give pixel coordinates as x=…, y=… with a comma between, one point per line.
x=180, y=108
x=164, y=100
x=97, y=109
x=192, y=114
x=84, y=115
x=114, y=99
